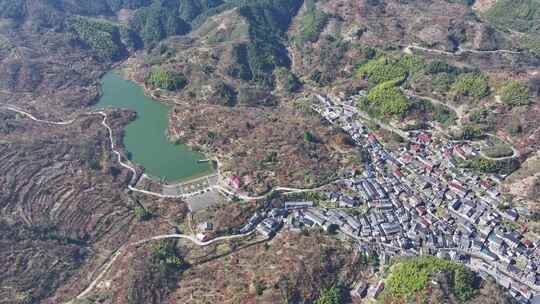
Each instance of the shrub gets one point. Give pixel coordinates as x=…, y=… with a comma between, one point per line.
x=485, y=165
x=332, y=295
x=382, y=69
x=166, y=80
x=518, y=15
x=142, y=214
x=166, y=252
x=102, y=37
x=471, y=132
x=288, y=80
x=501, y=150
x=308, y=137
x=515, y=93
x=479, y=116
x=411, y=276
x=259, y=287
x=387, y=99
x=438, y=67
x=532, y=44
x=312, y=23
x=473, y=85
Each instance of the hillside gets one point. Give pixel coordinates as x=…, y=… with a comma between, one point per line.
x=241, y=77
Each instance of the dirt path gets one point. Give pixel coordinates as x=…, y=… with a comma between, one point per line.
x=107, y=266
x=460, y=113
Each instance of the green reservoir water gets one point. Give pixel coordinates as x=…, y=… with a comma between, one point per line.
x=145, y=137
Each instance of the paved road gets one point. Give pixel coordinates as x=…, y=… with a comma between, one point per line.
x=459, y=51
x=285, y=190
x=515, y=152
x=130, y=167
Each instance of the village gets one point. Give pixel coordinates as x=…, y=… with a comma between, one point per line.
x=415, y=201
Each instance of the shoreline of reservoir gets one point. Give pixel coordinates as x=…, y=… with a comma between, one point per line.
x=145, y=137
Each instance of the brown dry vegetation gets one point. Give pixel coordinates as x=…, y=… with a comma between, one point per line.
x=291, y=267
x=63, y=208
x=265, y=143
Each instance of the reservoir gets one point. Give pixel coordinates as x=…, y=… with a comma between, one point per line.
x=145, y=138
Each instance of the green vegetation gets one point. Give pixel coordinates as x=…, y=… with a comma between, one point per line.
x=499, y=150
x=104, y=38
x=269, y=20
x=385, y=100
x=308, y=137
x=382, y=69
x=474, y=85
x=437, y=67
x=479, y=116
x=471, y=132
x=436, y=112
x=485, y=165
x=532, y=44
x=287, y=79
x=259, y=287
x=410, y=276
x=142, y=214
x=167, y=255
x=166, y=80
x=515, y=93
x=158, y=21
x=440, y=75
x=517, y=15
x=332, y=295
x=312, y=23
x=190, y=9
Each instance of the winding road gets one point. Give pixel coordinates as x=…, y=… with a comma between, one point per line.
x=130, y=167
x=459, y=113
x=459, y=51
x=107, y=266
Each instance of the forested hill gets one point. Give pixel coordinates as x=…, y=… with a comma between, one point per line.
x=151, y=21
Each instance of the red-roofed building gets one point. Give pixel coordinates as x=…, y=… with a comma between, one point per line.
x=372, y=138
x=423, y=138
x=527, y=243
x=235, y=181
x=457, y=188
x=427, y=164
x=485, y=185
x=447, y=153
x=458, y=151
x=421, y=210
x=415, y=148
x=407, y=158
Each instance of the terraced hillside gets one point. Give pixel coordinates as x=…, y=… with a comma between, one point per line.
x=63, y=206
x=241, y=76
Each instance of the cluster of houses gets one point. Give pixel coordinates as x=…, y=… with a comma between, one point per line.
x=418, y=201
